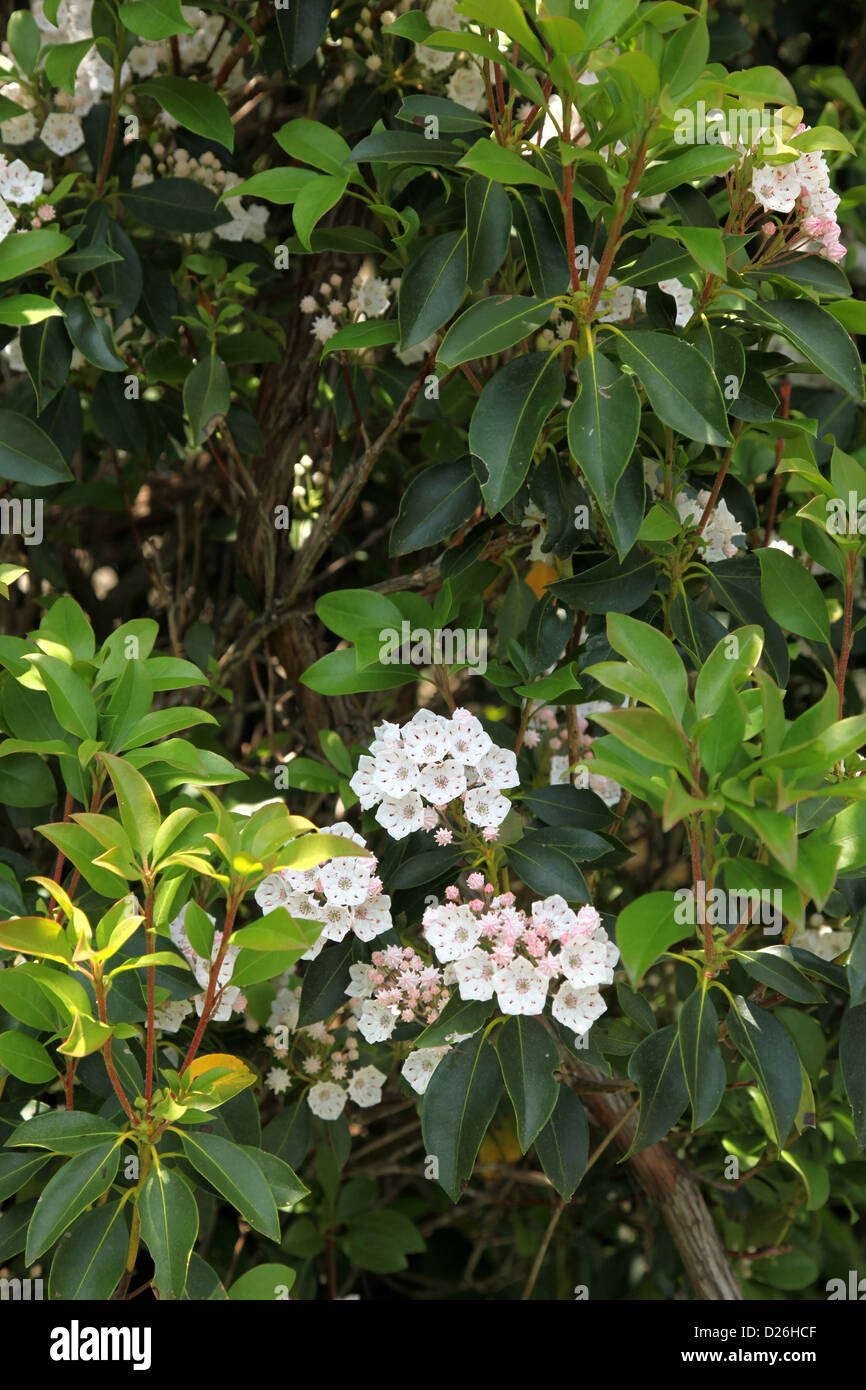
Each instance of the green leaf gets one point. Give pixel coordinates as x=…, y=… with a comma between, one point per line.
x=767, y=1047
x=508, y=420
x=504, y=165
x=91, y=1258
x=62, y=61
x=336, y=673
x=173, y=205
x=206, y=394
x=645, y=929
x=22, y=309
x=24, y=39
x=657, y=1066
x=22, y=998
x=680, y=384
x=817, y=335
x=546, y=261
x=301, y=26
x=852, y=1057
x=459, y=1104
x=563, y=1145
x=357, y=336
x=316, y=144
x=65, y=1132
x=16, y=1170
x=92, y=336
x=402, y=147
x=528, y=1059
x=603, y=425
x=775, y=966
x=168, y=1213
x=432, y=287
x=458, y=1016
x=194, y=105
x=547, y=869
x=792, y=596
x=71, y=700
x=26, y=1058
x=435, y=504
x=22, y=252
x=78, y=1183
x=380, y=1240
x=27, y=455
x=323, y=989
x=263, y=1282
x=139, y=813
x=699, y=162
x=314, y=201
x=491, y=326
x=35, y=936
x=656, y=656
x=703, y=1068
x=284, y=1183
x=154, y=19
x=488, y=228
x=227, y=1168
x=27, y=781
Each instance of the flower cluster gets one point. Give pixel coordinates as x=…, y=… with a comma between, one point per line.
x=435, y=760
x=228, y=998
x=344, y=894
x=369, y=298
x=494, y=947
x=722, y=529
x=324, y=1054
x=399, y=987
x=802, y=188
x=548, y=733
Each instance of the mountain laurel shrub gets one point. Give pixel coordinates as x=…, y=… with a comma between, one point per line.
x=565, y=803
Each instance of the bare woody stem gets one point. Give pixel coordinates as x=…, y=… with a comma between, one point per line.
x=150, y=936
x=207, y=1007
x=613, y=238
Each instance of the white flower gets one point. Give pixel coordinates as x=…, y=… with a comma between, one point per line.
x=62, y=133
x=468, y=742
x=327, y=1100
x=372, y=918
x=486, y=806
x=323, y=328
x=20, y=184
x=273, y=891
x=520, y=988
x=360, y=986
x=170, y=1015
x=577, y=1008
x=7, y=221
x=365, y=784
x=466, y=87
x=373, y=298
x=498, y=768
x=401, y=817
x=822, y=941
x=451, y=931
x=419, y=1066
x=377, y=1021
x=417, y=353
x=338, y=920
x=278, y=1080
x=284, y=1010
x=776, y=187
x=554, y=915
x=476, y=975
x=365, y=1087
x=396, y=772
x=584, y=962
x=442, y=782
x=346, y=880
x=722, y=527
x=427, y=737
